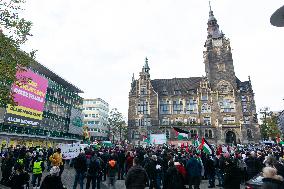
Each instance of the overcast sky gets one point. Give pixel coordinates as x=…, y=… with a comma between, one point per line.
x=98, y=44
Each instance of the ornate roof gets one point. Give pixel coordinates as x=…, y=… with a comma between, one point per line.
x=169, y=86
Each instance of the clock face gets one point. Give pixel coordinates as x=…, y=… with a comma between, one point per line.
x=217, y=42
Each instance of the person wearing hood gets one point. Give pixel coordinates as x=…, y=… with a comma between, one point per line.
x=136, y=177
x=53, y=180
x=271, y=180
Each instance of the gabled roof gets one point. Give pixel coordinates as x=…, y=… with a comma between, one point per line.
x=176, y=84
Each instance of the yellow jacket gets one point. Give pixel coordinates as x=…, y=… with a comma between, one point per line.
x=56, y=159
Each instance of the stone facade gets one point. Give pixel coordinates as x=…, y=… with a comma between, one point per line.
x=219, y=106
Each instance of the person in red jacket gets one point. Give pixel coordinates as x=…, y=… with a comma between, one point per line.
x=129, y=161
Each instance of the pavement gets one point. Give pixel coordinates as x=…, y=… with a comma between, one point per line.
x=69, y=174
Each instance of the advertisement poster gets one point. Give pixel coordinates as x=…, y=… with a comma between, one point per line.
x=69, y=151
x=158, y=139
x=29, y=94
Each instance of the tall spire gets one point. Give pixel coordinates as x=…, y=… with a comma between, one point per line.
x=213, y=27
x=146, y=66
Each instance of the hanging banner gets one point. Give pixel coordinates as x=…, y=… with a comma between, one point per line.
x=29, y=93
x=158, y=139
x=69, y=151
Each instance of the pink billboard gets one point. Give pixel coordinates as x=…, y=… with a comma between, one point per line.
x=29, y=93
x=30, y=89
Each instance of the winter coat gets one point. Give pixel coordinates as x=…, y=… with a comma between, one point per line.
x=136, y=178
x=272, y=183
x=129, y=162
x=19, y=179
x=232, y=176
x=193, y=167
x=51, y=181
x=173, y=179
x=56, y=159
x=150, y=168
x=253, y=166
x=280, y=169
x=80, y=163
x=210, y=167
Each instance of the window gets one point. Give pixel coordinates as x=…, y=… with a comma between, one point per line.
x=229, y=120
x=143, y=90
x=165, y=121
x=245, y=107
x=207, y=120
x=192, y=120
x=244, y=98
x=205, y=108
x=143, y=122
x=143, y=107
x=193, y=133
x=208, y=133
x=191, y=106
x=91, y=122
x=177, y=92
x=86, y=115
x=204, y=97
x=227, y=105
x=246, y=120
x=165, y=107
x=177, y=107
x=93, y=115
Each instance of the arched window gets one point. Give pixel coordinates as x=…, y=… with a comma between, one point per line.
x=193, y=133
x=208, y=133
x=205, y=108
x=249, y=134
x=224, y=87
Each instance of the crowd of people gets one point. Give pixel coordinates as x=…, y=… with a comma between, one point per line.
x=166, y=167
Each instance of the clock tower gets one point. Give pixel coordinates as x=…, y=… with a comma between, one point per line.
x=217, y=55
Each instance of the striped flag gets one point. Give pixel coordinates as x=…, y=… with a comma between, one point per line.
x=182, y=134
x=196, y=142
x=205, y=146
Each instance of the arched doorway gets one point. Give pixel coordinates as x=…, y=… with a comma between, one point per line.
x=230, y=137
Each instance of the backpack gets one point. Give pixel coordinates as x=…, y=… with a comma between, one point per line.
x=94, y=165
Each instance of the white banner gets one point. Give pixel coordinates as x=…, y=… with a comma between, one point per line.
x=69, y=151
x=158, y=139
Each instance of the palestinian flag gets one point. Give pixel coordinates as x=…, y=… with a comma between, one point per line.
x=182, y=134
x=196, y=142
x=205, y=146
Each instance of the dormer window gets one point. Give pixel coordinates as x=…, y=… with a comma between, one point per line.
x=177, y=92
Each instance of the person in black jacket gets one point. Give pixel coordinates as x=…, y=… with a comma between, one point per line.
x=136, y=177
x=173, y=178
x=253, y=165
x=150, y=168
x=20, y=178
x=53, y=180
x=233, y=175
x=80, y=165
x=211, y=171
x=94, y=172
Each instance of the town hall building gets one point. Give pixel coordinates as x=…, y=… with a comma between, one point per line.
x=218, y=107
